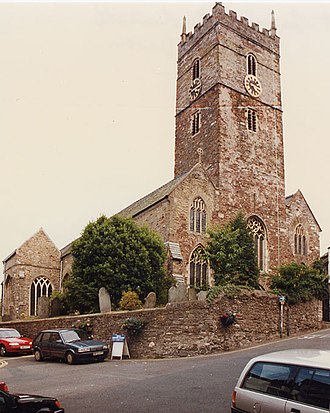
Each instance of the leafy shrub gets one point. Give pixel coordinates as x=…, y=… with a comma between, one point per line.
x=130, y=301
x=133, y=325
x=299, y=283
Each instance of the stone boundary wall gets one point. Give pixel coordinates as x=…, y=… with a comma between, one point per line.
x=193, y=328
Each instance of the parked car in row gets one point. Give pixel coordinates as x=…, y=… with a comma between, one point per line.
x=27, y=403
x=71, y=345
x=289, y=381
x=11, y=341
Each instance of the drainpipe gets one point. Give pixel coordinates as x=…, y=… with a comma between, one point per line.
x=61, y=273
x=2, y=300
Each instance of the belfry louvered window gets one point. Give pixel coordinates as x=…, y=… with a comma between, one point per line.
x=41, y=286
x=257, y=229
x=195, y=123
x=196, y=67
x=198, y=268
x=251, y=120
x=198, y=216
x=251, y=65
x=300, y=244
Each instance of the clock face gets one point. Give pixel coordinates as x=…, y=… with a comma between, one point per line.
x=195, y=89
x=252, y=85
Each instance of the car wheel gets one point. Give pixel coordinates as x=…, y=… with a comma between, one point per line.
x=37, y=355
x=69, y=358
x=3, y=351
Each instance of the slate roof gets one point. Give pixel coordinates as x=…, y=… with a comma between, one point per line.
x=152, y=198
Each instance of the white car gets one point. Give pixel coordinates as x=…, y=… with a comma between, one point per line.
x=290, y=381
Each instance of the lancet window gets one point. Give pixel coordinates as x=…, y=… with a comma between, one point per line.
x=300, y=243
x=199, y=269
x=258, y=231
x=251, y=65
x=196, y=67
x=198, y=216
x=41, y=286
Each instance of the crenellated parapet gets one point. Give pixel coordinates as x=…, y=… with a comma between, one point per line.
x=240, y=25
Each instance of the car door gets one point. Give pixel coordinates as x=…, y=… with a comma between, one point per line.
x=44, y=344
x=57, y=347
x=264, y=388
x=310, y=392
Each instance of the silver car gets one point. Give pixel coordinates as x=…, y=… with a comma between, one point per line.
x=290, y=381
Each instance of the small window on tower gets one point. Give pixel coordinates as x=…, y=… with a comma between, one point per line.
x=196, y=69
x=195, y=123
x=252, y=120
x=251, y=65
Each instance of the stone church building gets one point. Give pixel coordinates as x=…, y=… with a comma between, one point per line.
x=229, y=156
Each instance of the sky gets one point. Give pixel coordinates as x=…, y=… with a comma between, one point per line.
x=87, y=105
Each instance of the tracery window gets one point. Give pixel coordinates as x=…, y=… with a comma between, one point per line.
x=40, y=286
x=251, y=65
x=195, y=123
x=198, y=268
x=257, y=229
x=196, y=67
x=198, y=216
x=300, y=244
x=252, y=120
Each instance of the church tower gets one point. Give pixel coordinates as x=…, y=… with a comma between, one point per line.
x=228, y=105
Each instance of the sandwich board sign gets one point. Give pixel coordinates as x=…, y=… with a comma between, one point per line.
x=119, y=346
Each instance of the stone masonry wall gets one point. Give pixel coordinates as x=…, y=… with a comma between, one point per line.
x=193, y=328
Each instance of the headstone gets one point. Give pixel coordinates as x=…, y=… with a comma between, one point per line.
x=43, y=307
x=177, y=294
x=192, y=294
x=150, y=301
x=201, y=296
x=55, y=307
x=104, y=300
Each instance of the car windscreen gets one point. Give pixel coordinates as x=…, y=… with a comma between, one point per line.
x=74, y=335
x=9, y=333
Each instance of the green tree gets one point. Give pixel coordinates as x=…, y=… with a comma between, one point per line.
x=299, y=283
x=119, y=255
x=231, y=253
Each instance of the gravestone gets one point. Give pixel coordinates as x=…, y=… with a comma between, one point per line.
x=177, y=294
x=55, y=307
x=43, y=307
x=150, y=301
x=192, y=294
x=201, y=296
x=104, y=300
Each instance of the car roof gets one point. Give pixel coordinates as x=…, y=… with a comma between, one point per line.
x=57, y=330
x=7, y=328
x=302, y=357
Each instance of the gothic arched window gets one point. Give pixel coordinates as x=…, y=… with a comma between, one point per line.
x=257, y=229
x=196, y=68
x=40, y=286
x=300, y=244
x=251, y=65
x=198, y=268
x=197, y=216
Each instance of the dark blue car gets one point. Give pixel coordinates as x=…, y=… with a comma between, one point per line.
x=71, y=345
